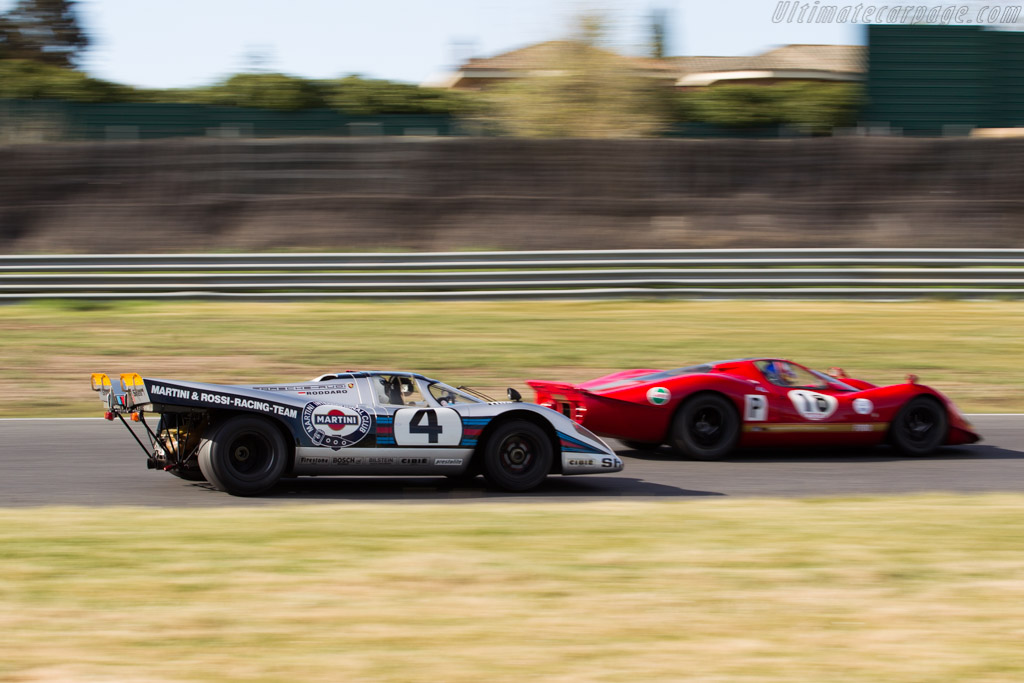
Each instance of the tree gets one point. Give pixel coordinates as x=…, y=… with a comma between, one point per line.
x=808, y=106
x=659, y=33
x=260, y=90
x=43, y=30
x=362, y=96
x=584, y=91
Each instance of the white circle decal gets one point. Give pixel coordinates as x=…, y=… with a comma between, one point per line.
x=863, y=406
x=659, y=396
x=813, y=406
x=335, y=426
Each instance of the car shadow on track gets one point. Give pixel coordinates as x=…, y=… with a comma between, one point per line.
x=810, y=454
x=426, y=489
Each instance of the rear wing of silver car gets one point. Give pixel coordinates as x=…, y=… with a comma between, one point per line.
x=129, y=395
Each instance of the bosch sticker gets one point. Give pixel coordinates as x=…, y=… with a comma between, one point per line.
x=333, y=426
x=659, y=396
x=812, y=405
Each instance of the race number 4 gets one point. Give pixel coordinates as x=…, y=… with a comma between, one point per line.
x=427, y=427
x=812, y=405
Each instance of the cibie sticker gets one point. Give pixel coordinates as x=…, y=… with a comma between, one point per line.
x=335, y=426
x=863, y=406
x=659, y=396
x=812, y=405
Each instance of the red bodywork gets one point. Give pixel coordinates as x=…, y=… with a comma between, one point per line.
x=639, y=405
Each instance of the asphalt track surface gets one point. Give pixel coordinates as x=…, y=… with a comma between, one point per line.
x=92, y=462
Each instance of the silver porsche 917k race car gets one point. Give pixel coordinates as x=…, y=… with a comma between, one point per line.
x=243, y=439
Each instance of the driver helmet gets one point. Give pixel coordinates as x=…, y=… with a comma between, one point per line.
x=787, y=374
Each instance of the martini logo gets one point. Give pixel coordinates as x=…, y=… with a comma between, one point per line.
x=336, y=420
x=659, y=396
x=812, y=405
x=335, y=427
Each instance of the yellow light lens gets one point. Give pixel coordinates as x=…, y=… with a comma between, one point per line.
x=131, y=380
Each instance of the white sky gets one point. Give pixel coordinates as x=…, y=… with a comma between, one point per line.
x=197, y=42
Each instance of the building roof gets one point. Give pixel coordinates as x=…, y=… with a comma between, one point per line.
x=838, y=62
x=850, y=59
x=542, y=55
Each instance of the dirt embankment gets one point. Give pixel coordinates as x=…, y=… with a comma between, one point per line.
x=464, y=193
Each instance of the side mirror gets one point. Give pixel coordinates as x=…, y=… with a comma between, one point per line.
x=514, y=395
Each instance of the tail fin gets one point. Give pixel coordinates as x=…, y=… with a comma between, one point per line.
x=129, y=392
x=560, y=396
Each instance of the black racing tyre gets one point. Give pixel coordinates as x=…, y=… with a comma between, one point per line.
x=641, y=445
x=706, y=427
x=245, y=456
x=920, y=427
x=517, y=456
x=188, y=475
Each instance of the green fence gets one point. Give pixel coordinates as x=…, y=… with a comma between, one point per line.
x=58, y=120
x=53, y=120
x=940, y=80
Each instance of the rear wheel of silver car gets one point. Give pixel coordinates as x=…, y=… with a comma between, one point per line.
x=707, y=427
x=920, y=427
x=245, y=456
x=517, y=456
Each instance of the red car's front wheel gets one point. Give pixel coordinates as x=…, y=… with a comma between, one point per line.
x=920, y=427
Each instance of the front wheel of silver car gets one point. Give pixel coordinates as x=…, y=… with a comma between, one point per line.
x=245, y=456
x=517, y=456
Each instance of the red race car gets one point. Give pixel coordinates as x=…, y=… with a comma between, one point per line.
x=705, y=411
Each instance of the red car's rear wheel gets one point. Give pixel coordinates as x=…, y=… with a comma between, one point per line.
x=707, y=427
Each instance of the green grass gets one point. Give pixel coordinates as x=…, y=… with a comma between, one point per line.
x=970, y=350
x=911, y=589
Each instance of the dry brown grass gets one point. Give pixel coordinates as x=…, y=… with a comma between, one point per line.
x=970, y=350
x=915, y=589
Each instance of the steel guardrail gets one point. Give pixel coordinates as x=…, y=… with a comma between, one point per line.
x=696, y=273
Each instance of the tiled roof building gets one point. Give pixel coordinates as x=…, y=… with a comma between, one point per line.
x=790, y=62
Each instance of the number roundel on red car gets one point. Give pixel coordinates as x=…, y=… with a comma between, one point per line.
x=813, y=406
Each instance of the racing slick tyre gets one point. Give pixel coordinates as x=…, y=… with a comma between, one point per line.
x=245, y=456
x=920, y=427
x=641, y=445
x=706, y=427
x=517, y=456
